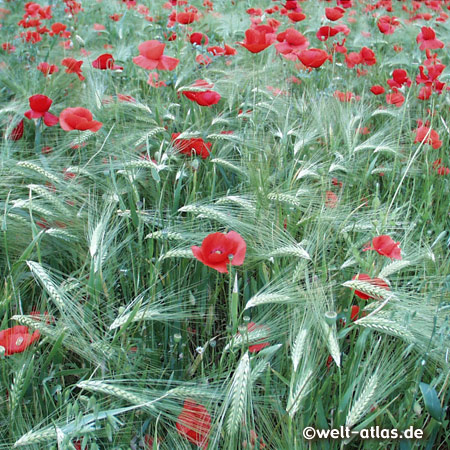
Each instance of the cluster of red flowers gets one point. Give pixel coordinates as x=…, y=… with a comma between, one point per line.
x=69, y=118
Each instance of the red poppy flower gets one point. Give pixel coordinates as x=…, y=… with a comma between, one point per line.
x=17, y=132
x=256, y=39
x=104, y=62
x=326, y=32
x=59, y=29
x=203, y=98
x=334, y=13
x=47, y=69
x=218, y=250
x=396, y=98
x=73, y=66
x=292, y=42
x=151, y=57
x=345, y=3
x=229, y=51
x=387, y=24
x=296, y=16
x=313, y=57
x=427, y=135
x=377, y=89
x=198, y=38
x=378, y=282
x=40, y=104
x=384, y=245
x=399, y=78
x=355, y=314
x=427, y=39
x=216, y=50
x=254, y=12
x=367, y=56
x=352, y=59
x=256, y=347
x=203, y=60
x=17, y=339
x=78, y=119
x=186, y=17
x=194, y=423
x=434, y=71
x=425, y=93
x=187, y=146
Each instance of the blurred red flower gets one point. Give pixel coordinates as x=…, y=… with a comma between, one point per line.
x=104, y=62
x=78, y=119
x=186, y=17
x=203, y=60
x=378, y=282
x=326, y=32
x=296, y=16
x=377, y=89
x=427, y=135
x=17, y=339
x=387, y=24
x=355, y=314
x=384, y=245
x=17, y=132
x=198, y=38
x=367, y=56
x=47, y=69
x=151, y=57
x=194, y=423
x=331, y=199
x=427, y=39
x=203, y=98
x=73, y=66
x=345, y=97
x=313, y=57
x=187, y=146
x=335, y=13
x=395, y=98
x=256, y=347
x=40, y=104
x=218, y=250
x=8, y=47
x=59, y=29
x=291, y=43
x=399, y=78
x=257, y=39
x=352, y=59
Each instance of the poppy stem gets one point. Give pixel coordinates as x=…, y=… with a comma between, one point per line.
x=37, y=143
x=234, y=297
